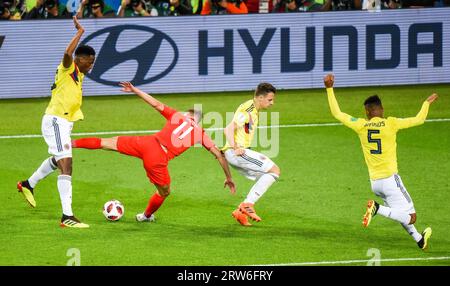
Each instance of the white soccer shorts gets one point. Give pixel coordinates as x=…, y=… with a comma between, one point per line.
x=56, y=132
x=393, y=193
x=251, y=164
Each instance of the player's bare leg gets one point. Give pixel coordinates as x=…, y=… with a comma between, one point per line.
x=65, y=194
x=261, y=186
x=420, y=238
x=109, y=143
x=154, y=203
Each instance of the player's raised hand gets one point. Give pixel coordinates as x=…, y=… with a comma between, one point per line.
x=432, y=98
x=229, y=182
x=127, y=86
x=77, y=24
x=328, y=80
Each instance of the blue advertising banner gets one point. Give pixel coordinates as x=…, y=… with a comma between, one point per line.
x=233, y=52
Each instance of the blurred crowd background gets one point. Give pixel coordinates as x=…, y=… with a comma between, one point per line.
x=60, y=9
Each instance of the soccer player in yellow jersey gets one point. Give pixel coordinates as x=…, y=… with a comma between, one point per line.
x=62, y=111
x=253, y=165
x=378, y=141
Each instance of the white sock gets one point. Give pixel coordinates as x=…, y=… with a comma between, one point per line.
x=47, y=167
x=260, y=187
x=411, y=229
x=65, y=193
x=394, y=214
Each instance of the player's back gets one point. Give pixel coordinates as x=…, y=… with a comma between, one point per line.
x=180, y=133
x=378, y=138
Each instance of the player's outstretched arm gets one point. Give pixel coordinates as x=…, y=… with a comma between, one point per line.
x=420, y=117
x=156, y=104
x=224, y=164
x=68, y=54
x=334, y=106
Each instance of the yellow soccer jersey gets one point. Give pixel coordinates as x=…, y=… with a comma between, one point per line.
x=67, y=93
x=246, y=119
x=378, y=136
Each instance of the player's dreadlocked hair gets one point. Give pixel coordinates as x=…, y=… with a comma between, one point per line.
x=85, y=50
x=373, y=100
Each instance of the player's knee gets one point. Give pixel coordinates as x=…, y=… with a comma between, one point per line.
x=275, y=170
x=67, y=170
x=65, y=165
x=413, y=218
x=163, y=190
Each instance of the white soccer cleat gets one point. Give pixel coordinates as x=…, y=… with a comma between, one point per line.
x=142, y=217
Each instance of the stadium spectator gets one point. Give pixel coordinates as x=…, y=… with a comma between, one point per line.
x=134, y=8
x=57, y=123
x=255, y=166
x=378, y=141
x=5, y=14
x=197, y=6
x=216, y=7
x=158, y=7
x=48, y=9
x=417, y=3
x=12, y=9
x=342, y=5
x=94, y=9
x=391, y=4
x=180, y=132
x=180, y=7
x=253, y=6
x=289, y=6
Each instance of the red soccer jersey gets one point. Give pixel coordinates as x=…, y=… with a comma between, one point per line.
x=180, y=133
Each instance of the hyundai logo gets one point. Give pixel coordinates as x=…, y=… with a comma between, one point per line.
x=155, y=54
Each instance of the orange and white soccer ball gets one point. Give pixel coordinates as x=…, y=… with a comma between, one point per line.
x=113, y=210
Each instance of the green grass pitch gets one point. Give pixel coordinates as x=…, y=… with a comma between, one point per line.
x=313, y=214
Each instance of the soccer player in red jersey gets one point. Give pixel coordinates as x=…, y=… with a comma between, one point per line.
x=179, y=133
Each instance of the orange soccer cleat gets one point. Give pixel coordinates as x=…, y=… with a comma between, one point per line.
x=240, y=217
x=247, y=209
x=372, y=208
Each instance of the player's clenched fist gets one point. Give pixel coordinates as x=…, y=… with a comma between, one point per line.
x=328, y=80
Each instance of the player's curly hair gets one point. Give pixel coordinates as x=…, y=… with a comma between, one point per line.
x=85, y=50
x=373, y=100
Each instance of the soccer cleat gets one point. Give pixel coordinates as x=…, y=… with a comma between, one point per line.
x=426, y=234
x=240, y=217
x=27, y=192
x=143, y=217
x=247, y=209
x=73, y=222
x=370, y=212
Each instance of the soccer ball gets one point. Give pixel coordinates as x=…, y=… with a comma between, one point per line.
x=113, y=210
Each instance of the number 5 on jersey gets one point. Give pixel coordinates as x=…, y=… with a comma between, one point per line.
x=370, y=132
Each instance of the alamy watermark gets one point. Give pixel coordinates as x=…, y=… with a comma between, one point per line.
x=266, y=139
x=375, y=253
x=75, y=257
